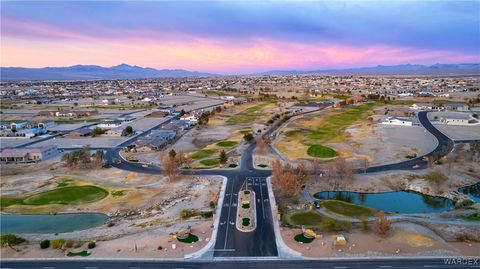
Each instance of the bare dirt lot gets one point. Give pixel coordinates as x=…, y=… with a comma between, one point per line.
x=139, y=206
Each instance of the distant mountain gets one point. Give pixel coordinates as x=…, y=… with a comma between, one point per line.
x=91, y=72
x=404, y=69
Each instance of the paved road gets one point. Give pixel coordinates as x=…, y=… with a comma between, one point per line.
x=415, y=263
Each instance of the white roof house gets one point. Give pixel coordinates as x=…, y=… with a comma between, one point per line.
x=459, y=120
x=397, y=121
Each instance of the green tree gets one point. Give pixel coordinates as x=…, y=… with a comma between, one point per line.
x=97, y=131
x=248, y=137
x=128, y=130
x=223, y=157
x=172, y=153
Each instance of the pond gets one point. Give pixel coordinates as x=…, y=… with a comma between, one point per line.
x=398, y=202
x=473, y=191
x=60, y=223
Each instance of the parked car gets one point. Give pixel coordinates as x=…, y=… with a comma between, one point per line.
x=316, y=204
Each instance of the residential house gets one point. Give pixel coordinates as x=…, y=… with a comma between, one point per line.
x=110, y=123
x=167, y=135
x=157, y=114
x=21, y=155
x=147, y=144
x=456, y=106
x=397, y=121
x=118, y=131
x=425, y=106
x=459, y=120
x=81, y=132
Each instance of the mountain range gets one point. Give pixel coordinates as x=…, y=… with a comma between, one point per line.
x=404, y=69
x=92, y=72
x=125, y=71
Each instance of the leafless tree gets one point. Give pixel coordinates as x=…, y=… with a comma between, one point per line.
x=381, y=224
x=288, y=179
x=366, y=163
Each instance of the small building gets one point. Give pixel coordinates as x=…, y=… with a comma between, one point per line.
x=193, y=118
x=456, y=106
x=339, y=240
x=425, y=106
x=18, y=125
x=22, y=155
x=29, y=133
x=75, y=113
x=118, y=131
x=81, y=132
x=126, y=119
x=110, y=123
x=157, y=114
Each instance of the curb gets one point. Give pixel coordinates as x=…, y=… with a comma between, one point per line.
x=284, y=251
x=213, y=237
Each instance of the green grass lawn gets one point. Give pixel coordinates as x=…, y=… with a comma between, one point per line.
x=246, y=131
x=81, y=254
x=118, y=193
x=321, y=151
x=226, y=144
x=473, y=217
x=191, y=238
x=210, y=162
x=204, y=153
x=308, y=218
x=303, y=239
x=63, y=195
x=334, y=124
x=347, y=209
x=245, y=222
x=248, y=115
x=313, y=219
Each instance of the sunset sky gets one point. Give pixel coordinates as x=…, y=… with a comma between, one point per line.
x=239, y=37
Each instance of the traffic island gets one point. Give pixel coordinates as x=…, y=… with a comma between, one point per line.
x=246, y=213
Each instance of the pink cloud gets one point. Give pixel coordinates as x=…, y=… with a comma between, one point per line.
x=210, y=55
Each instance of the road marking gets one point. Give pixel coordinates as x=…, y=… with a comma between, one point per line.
x=228, y=219
x=385, y=266
x=48, y=267
x=339, y=267
x=263, y=206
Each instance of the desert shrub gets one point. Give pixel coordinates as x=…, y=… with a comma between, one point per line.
x=91, y=245
x=45, y=244
x=10, y=240
x=464, y=203
x=57, y=243
x=206, y=214
x=69, y=243
x=212, y=204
